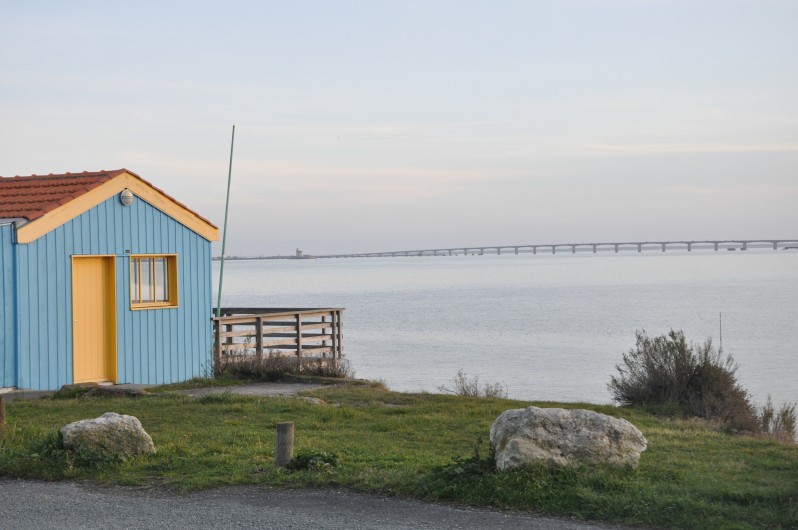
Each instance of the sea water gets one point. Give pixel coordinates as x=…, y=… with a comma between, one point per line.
x=548, y=327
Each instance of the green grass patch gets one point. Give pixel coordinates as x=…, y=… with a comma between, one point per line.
x=422, y=446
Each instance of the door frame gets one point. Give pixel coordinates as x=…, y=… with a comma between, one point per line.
x=110, y=318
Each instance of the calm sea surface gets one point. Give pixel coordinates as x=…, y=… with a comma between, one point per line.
x=547, y=327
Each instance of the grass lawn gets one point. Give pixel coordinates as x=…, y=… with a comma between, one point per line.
x=405, y=444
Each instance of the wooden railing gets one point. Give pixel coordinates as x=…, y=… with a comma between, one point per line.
x=306, y=334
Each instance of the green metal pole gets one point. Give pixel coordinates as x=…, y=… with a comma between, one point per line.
x=224, y=233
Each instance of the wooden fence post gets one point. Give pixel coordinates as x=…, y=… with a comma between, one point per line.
x=299, y=341
x=285, y=444
x=340, y=335
x=323, y=332
x=217, y=344
x=228, y=328
x=259, y=337
x=334, y=341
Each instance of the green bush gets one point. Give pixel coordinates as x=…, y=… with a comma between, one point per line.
x=666, y=373
x=314, y=461
x=469, y=467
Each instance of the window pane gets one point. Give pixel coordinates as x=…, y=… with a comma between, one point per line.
x=166, y=278
x=150, y=280
x=161, y=281
x=147, y=286
x=134, y=280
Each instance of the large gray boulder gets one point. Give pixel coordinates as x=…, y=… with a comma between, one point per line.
x=561, y=437
x=112, y=435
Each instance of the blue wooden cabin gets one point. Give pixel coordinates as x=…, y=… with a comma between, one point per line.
x=103, y=278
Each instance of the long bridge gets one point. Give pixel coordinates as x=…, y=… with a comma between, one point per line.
x=573, y=248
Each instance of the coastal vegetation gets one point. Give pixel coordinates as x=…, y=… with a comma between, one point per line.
x=426, y=446
x=463, y=385
x=667, y=375
x=277, y=367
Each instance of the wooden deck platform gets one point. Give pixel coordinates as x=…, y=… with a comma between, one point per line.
x=303, y=334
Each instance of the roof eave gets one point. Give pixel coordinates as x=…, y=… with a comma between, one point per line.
x=123, y=179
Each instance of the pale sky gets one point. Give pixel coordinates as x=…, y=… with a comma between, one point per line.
x=385, y=125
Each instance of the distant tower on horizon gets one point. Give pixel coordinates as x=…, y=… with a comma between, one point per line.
x=299, y=253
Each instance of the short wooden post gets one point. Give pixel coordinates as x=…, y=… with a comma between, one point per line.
x=2, y=412
x=285, y=444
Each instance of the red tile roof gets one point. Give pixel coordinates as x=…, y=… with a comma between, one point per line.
x=30, y=197
x=33, y=196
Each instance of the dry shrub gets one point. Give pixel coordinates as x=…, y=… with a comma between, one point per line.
x=275, y=366
x=667, y=373
x=778, y=425
x=465, y=386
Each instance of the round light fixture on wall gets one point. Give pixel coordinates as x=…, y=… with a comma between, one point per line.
x=127, y=197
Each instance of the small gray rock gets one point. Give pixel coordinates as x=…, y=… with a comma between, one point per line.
x=561, y=437
x=110, y=435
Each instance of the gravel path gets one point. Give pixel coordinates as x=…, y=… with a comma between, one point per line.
x=32, y=504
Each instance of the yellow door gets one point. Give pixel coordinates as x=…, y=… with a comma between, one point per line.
x=93, y=319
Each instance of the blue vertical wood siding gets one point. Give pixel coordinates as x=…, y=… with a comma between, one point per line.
x=154, y=346
x=8, y=312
